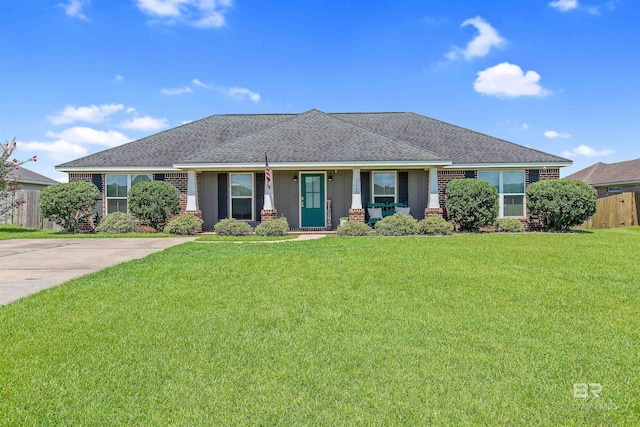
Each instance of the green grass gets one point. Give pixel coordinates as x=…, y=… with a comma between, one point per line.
x=475, y=329
x=8, y=232
x=250, y=238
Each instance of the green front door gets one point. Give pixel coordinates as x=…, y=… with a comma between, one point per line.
x=312, y=201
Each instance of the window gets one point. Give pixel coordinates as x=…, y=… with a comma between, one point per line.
x=242, y=196
x=118, y=188
x=614, y=190
x=510, y=186
x=384, y=187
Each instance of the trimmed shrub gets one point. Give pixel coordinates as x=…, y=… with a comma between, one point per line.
x=275, y=227
x=232, y=227
x=116, y=223
x=184, y=225
x=471, y=203
x=398, y=224
x=69, y=205
x=561, y=203
x=435, y=225
x=153, y=203
x=353, y=228
x=509, y=225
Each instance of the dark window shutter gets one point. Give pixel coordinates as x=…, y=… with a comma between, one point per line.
x=259, y=194
x=403, y=187
x=158, y=177
x=534, y=175
x=96, y=178
x=223, y=196
x=365, y=183
x=470, y=174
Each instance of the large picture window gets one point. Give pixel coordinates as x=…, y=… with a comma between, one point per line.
x=118, y=188
x=510, y=186
x=384, y=187
x=242, y=196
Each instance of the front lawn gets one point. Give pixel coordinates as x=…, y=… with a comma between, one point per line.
x=249, y=238
x=472, y=329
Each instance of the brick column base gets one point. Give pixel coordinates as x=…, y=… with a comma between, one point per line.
x=356, y=215
x=268, y=215
x=433, y=211
x=197, y=214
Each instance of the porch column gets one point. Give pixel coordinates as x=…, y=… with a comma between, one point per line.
x=433, y=208
x=192, y=200
x=268, y=211
x=356, y=213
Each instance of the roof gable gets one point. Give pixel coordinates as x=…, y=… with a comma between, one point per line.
x=603, y=173
x=313, y=136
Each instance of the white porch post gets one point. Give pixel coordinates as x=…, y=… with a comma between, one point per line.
x=356, y=190
x=192, y=200
x=434, y=198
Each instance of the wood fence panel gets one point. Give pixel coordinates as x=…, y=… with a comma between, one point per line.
x=620, y=210
x=28, y=215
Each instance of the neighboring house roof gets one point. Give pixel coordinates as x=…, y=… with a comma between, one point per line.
x=609, y=173
x=314, y=137
x=26, y=176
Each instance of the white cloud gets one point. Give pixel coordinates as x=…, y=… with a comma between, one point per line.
x=508, y=80
x=487, y=38
x=177, y=91
x=59, y=150
x=130, y=110
x=585, y=150
x=241, y=93
x=525, y=126
x=118, y=78
x=86, y=135
x=564, y=5
x=91, y=114
x=552, y=134
x=197, y=82
x=145, y=123
x=198, y=13
x=73, y=8
x=184, y=122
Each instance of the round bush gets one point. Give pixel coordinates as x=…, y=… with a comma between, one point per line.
x=509, y=225
x=435, y=225
x=275, y=227
x=116, y=223
x=353, y=228
x=471, y=203
x=69, y=205
x=232, y=227
x=561, y=203
x=153, y=203
x=398, y=224
x=184, y=225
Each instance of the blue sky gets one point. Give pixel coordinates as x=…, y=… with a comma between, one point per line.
x=79, y=76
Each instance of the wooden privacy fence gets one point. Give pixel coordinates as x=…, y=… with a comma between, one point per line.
x=28, y=215
x=620, y=210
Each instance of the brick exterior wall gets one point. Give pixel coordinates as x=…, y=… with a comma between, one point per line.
x=444, y=176
x=604, y=191
x=179, y=180
x=88, y=177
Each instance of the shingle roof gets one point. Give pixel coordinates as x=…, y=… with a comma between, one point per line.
x=25, y=175
x=314, y=136
x=603, y=173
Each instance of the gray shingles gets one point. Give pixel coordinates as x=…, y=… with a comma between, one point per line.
x=604, y=173
x=26, y=175
x=314, y=136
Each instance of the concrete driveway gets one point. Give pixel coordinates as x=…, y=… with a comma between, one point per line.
x=30, y=265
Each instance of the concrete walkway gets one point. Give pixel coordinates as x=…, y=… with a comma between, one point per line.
x=28, y=266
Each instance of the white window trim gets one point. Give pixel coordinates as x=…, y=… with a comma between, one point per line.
x=373, y=186
x=106, y=191
x=501, y=192
x=253, y=195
